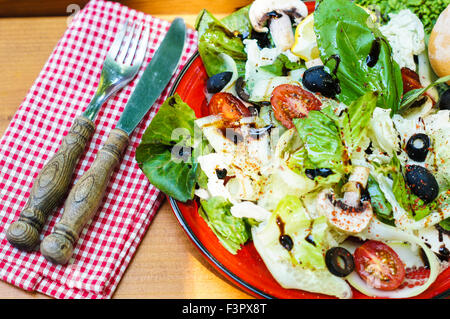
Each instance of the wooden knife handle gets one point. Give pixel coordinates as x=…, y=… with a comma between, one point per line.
x=50, y=186
x=84, y=199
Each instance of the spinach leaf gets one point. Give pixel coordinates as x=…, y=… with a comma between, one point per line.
x=346, y=35
x=165, y=152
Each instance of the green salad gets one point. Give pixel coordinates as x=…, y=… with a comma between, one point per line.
x=326, y=146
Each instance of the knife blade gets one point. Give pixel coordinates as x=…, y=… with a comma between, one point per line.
x=85, y=197
x=155, y=77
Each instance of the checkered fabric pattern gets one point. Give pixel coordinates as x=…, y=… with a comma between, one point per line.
x=60, y=93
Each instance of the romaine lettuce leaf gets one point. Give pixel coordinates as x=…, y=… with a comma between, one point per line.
x=345, y=37
x=303, y=266
x=415, y=207
x=308, y=236
x=322, y=145
x=216, y=37
x=355, y=121
x=231, y=231
x=164, y=154
x=330, y=140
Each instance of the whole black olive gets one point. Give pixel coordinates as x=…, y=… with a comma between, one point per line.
x=218, y=81
x=339, y=261
x=316, y=79
x=444, y=101
x=421, y=182
x=417, y=147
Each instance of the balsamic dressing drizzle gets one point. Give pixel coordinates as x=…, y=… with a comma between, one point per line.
x=285, y=240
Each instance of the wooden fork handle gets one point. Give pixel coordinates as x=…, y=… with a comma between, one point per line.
x=50, y=186
x=84, y=199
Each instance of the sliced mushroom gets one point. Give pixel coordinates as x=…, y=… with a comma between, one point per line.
x=277, y=15
x=350, y=214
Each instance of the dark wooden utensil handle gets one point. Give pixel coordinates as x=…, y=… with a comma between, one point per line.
x=50, y=186
x=84, y=199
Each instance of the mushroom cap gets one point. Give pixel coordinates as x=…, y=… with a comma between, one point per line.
x=259, y=10
x=346, y=218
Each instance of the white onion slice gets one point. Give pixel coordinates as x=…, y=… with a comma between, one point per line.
x=377, y=230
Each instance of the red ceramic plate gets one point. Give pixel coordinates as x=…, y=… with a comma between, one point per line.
x=245, y=269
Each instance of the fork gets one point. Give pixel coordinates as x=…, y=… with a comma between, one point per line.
x=121, y=65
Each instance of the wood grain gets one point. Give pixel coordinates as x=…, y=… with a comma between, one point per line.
x=166, y=264
x=50, y=186
x=28, y=8
x=84, y=199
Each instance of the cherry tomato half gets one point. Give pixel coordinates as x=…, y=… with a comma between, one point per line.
x=291, y=101
x=379, y=265
x=228, y=106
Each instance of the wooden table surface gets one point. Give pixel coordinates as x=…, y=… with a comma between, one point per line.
x=166, y=264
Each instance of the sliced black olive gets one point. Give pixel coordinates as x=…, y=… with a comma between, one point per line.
x=313, y=173
x=240, y=89
x=316, y=79
x=244, y=35
x=286, y=242
x=339, y=261
x=218, y=81
x=254, y=109
x=417, y=147
x=372, y=58
x=262, y=38
x=421, y=182
x=221, y=173
x=444, y=101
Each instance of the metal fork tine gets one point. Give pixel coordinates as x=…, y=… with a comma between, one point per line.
x=126, y=45
x=133, y=46
x=142, y=47
x=115, y=47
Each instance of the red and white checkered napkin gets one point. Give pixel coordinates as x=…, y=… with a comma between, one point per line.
x=61, y=92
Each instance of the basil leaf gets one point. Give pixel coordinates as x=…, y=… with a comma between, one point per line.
x=165, y=152
x=411, y=96
x=345, y=35
x=445, y=224
x=380, y=205
x=282, y=65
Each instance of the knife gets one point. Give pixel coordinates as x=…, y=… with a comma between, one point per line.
x=53, y=181
x=85, y=197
